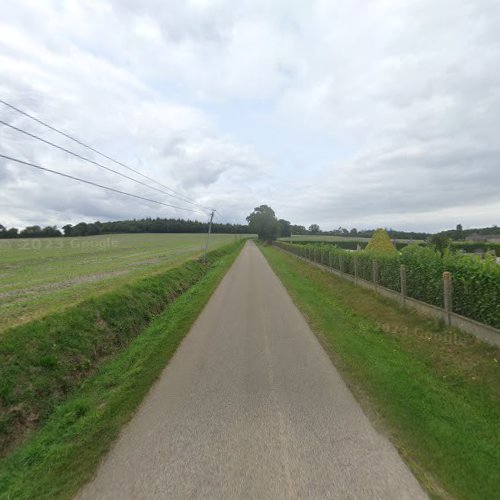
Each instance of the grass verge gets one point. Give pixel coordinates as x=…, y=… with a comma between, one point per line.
x=433, y=390
x=63, y=454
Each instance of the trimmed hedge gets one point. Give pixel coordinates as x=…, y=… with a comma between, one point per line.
x=476, y=282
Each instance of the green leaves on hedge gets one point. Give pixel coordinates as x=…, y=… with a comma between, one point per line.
x=476, y=282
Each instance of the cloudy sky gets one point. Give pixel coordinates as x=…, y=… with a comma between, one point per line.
x=359, y=113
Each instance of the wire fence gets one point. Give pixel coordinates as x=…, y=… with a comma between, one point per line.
x=458, y=284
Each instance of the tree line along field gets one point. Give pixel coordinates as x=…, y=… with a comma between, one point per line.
x=332, y=238
x=38, y=276
x=352, y=242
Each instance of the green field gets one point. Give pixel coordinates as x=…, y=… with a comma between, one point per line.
x=38, y=276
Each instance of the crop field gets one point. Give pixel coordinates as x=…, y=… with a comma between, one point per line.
x=38, y=276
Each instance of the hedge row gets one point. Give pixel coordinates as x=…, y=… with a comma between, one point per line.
x=472, y=246
x=476, y=282
x=467, y=247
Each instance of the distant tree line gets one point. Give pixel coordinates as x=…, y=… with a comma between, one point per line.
x=150, y=225
x=268, y=227
x=460, y=234
x=314, y=229
x=29, y=232
x=279, y=228
x=456, y=234
x=147, y=225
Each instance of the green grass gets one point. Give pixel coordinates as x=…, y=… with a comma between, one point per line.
x=42, y=361
x=434, y=391
x=39, y=276
x=65, y=452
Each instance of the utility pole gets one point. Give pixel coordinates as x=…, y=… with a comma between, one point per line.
x=208, y=235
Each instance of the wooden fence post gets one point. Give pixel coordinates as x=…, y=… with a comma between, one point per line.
x=330, y=259
x=375, y=273
x=402, y=276
x=341, y=264
x=448, y=296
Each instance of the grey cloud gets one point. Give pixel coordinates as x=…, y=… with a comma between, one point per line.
x=410, y=90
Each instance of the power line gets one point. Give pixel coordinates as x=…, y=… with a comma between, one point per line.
x=84, y=158
x=41, y=122
x=22, y=162
x=219, y=216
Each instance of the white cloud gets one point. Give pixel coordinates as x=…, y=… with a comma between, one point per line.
x=109, y=106
x=403, y=97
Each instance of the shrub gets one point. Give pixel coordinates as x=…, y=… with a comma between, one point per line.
x=381, y=243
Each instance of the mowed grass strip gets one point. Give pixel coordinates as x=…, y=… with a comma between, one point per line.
x=64, y=454
x=42, y=362
x=433, y=390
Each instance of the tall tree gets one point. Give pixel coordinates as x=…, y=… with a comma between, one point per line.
x=440, y=242
x=314, y=229
x=298, y=229
x=285, y=231
x=264, y=223
x=31, y=232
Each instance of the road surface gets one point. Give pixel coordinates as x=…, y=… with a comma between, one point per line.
x=250, y=406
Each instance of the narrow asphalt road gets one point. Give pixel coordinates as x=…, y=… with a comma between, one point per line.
x=251, y=406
